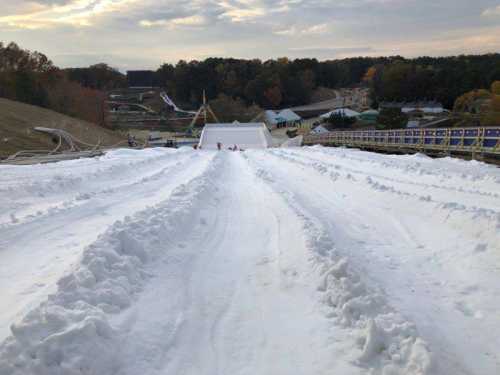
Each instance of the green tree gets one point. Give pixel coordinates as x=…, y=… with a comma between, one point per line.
x=392, y=118
x=339, y=120
x=228, y=109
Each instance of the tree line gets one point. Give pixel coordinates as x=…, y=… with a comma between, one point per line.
x=32, y=78
x=285, y=83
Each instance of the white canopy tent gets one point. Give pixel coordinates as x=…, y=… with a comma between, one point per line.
x=320, y=129
x=243, y=135
x=272, y=119
x=289, y=115
x=284, y=117
x=341, y=111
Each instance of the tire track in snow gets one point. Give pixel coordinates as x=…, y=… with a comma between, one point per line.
x=54, y=243
x=488, y=217
x=370, y=178
x=29, y=189
x=420, y=165
x=239, y=315
x=48, y=178
x=353, y=207
x=387, y=342
x=89, y=196
x=70, y=333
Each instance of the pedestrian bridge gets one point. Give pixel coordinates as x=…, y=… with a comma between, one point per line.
x=476, y=143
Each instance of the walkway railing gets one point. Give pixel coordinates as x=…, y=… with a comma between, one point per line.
x=470, y=141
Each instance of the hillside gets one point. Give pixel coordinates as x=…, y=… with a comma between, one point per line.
x=17, y=121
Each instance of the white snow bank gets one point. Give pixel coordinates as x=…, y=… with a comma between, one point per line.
x=70, y=333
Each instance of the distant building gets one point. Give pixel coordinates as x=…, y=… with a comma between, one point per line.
x=272, y=120
x=286, y=117
x=290, y=116
x=140, y=79
x=429, y=122
x=369, y=116
x=412, y=107
x=413, y=124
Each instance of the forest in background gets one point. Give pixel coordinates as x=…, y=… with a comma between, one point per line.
x=285, y=83
x=31, y=77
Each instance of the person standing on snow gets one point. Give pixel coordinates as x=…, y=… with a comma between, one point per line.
x=131, y=140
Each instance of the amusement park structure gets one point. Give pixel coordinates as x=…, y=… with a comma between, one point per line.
x=153, y=109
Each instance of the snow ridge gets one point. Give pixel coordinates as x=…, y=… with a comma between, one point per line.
x=70, y=333
x=387, y=342
x=473, y=212
x=79, y=184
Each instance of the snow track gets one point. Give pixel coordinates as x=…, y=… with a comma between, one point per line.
x=37, y=250
x=436, y=260
x=285, y=261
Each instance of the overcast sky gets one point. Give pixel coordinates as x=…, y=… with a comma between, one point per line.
x=132, y=34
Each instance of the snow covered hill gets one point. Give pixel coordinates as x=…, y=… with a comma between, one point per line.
x=282, y=261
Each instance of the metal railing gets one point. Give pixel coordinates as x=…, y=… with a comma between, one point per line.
x=459, y=140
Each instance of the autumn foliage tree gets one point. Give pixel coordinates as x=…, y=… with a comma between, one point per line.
x=370, y=74
x=30, y=77
x=484, y=104
x=495, y=88
x=24, y=75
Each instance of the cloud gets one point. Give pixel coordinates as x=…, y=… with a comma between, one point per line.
x=76, y=13
x=168, y=30
x=190, y=21
x=251, y=10
x=329, y=52
x=320, y=29
x=492, y=12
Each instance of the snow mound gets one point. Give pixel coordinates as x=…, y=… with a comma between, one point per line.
x=70, y=333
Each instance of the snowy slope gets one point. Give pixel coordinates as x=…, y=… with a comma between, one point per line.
x=243, y=135
x=282, y=261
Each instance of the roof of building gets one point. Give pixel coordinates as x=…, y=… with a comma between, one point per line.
x=342, y=111
x=320, y=129
x=370, y=112
x=413, y=124
x=272, y=117
x=419, y=104
x=289, y=115
x=140, y=78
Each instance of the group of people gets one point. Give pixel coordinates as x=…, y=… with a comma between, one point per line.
x=219, y=147
x=234, y=148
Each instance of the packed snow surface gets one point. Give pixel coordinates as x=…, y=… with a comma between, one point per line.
x=242, y=135
x=301, y=261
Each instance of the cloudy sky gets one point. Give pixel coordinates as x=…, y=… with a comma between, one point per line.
x=130, y=34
